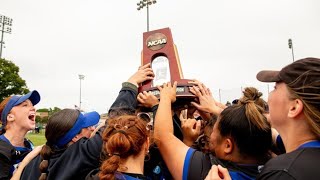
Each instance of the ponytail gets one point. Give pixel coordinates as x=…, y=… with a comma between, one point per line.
x=45, y=153
x=109, y=167
x=118, y=146
x=254, y=108
x=58, y=125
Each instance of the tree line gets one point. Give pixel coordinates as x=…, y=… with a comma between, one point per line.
x=10, y=80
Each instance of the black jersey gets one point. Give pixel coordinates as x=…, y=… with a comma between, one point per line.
x=74, y=162
x=302, y=163
x=197, y=166
x=11, y=156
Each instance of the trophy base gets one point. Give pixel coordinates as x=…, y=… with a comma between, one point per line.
x=184, y=96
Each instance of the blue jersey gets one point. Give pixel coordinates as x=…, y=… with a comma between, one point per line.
x=129, y=176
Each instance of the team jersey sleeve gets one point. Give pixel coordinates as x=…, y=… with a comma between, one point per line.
x=196, y=165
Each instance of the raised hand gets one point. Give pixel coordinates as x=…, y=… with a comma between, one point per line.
x=191, y=129
x=206, y=100
x=168, y=91
x=218, y=173
x=144, y=73
x=147, y=99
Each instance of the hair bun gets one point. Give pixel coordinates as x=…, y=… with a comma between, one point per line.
x=251, y=94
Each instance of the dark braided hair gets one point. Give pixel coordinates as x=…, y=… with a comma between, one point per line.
x=58, y=125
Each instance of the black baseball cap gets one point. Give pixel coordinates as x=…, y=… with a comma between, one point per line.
x=301, y=76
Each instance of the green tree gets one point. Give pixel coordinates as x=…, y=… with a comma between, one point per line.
x=43, y=110
x=10, y=81
x=55, y=109
x=38, y=119
x=44, y=120
x=50, y=111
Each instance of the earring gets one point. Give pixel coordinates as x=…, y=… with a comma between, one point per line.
x=147, y=157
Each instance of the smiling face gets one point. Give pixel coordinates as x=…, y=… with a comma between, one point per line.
x=22, y=117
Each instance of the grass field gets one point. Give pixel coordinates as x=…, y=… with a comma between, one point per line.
x=37, y=139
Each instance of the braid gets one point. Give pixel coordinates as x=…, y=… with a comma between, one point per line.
x=45, y=153
x=118, y=144
x=109, y=167
x=123, y=137
x=58, y=125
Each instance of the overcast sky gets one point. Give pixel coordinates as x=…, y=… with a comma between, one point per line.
x=221, y=43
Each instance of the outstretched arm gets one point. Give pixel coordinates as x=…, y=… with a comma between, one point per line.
x=172, y=149
x=127, y=98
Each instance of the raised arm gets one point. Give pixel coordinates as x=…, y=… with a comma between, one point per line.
x=171, y=148
x=207, y=103
x=126, y=102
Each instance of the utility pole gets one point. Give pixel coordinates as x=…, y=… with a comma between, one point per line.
x=146, y=3
x=5, y=27
x=291, y=47
x=81, y=77
x=220, y=95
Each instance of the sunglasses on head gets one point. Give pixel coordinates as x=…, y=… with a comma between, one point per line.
x=144, y=116
x=147, y=118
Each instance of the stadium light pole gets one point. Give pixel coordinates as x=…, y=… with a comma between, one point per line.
x=146, y=3
x=290, y=44
x=81, y=77
x=220, y=95
x=5, y=27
